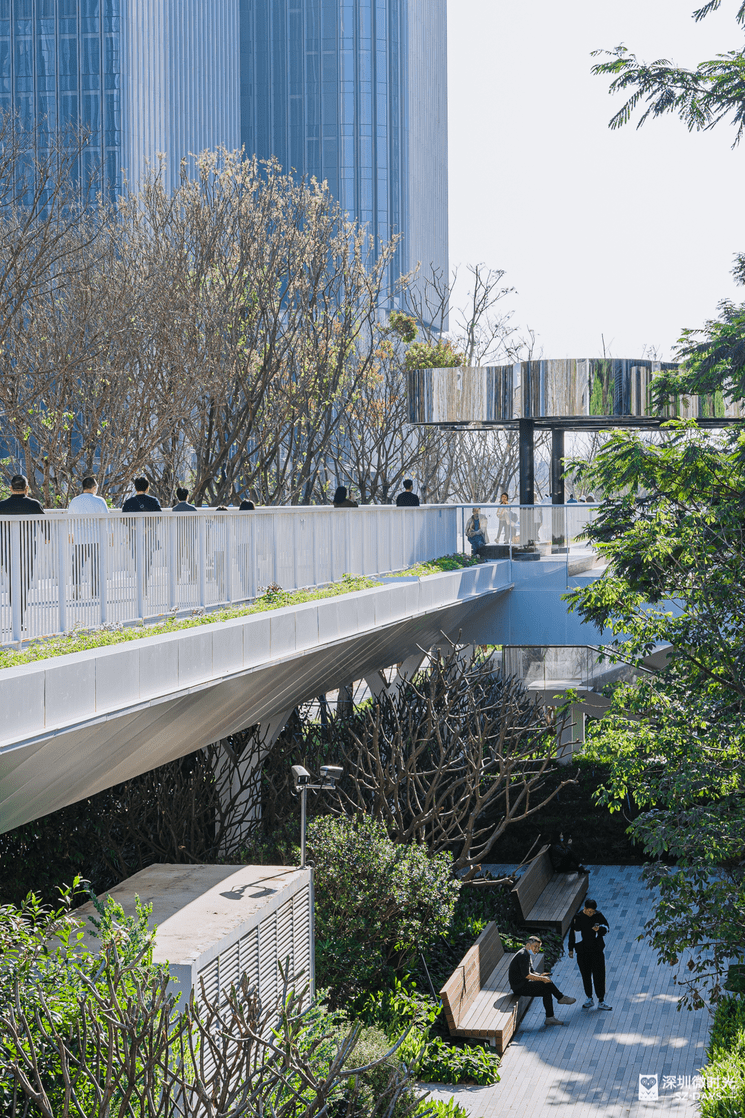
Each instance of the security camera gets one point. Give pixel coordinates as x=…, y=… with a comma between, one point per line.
x=331, y=773
x=300, y=776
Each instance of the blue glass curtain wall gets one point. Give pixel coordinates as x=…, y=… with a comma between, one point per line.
x=60, y=68
x=322, y=89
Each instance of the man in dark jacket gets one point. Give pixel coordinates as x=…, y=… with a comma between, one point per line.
x=19, y=504
x=182, y=497
x=525, y=982
x=142, y=501
x=592, y=927
x=408, y=499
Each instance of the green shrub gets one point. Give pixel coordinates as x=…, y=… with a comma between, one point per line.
x=43, y=960
x=377, y=902
x=430, y=1058
x=365, y=1088
x=442, y=1062
x=724, y=1074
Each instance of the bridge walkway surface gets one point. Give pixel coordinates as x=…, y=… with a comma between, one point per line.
x=592, y=1066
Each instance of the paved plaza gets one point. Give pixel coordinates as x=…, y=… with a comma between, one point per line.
x=592, y=1066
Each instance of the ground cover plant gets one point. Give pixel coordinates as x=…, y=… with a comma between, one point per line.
x=273, y=597
x=723, y=1095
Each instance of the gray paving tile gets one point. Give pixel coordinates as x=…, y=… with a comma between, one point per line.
x=593, y=1065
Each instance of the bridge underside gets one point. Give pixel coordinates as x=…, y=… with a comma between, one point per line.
x=50, y=770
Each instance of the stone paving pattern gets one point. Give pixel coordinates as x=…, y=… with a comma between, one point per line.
x=592, y=1065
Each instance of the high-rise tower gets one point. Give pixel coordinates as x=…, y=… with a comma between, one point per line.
x=142, y=77
x=351, y=91
x=355, y=92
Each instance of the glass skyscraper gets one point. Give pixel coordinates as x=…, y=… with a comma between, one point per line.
x=60, y=64
x=142, y=77
x=355, y=92
x=351, y=91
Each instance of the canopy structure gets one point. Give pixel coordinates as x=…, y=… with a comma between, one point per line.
x=568, y=394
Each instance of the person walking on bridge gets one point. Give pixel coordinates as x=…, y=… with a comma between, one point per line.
x=19, y=504
x=408, y=499
x=86, y=541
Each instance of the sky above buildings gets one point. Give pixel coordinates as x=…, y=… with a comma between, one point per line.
x=626, y=236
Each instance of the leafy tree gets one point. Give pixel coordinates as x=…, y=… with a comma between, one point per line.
x=714, y=356
x=433, y=355
x=377, y=902
x=701, y=97
x=675, y=738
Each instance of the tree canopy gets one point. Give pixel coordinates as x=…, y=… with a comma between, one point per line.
x=702, y=97
x=675, y=737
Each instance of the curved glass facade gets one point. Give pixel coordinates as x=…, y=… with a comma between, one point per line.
x=590, y=393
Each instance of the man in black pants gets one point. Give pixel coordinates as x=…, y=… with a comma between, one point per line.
x=20, y=504
x=525, y=982
x=592, y=926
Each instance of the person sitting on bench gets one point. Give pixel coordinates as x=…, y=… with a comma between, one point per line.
x=525, y=982
x=563, y=858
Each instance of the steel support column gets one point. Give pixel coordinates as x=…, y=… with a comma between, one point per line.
x=527, y=472
x=557, y=465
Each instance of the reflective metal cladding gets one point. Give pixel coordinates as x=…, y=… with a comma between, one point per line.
x=588, y=390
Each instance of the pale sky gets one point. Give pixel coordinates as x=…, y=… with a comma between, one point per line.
x=627, y=234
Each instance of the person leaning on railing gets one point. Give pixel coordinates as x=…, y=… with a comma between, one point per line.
x=19, y=504
x=341, y=500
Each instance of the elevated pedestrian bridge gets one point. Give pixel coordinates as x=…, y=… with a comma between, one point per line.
x=79, y=723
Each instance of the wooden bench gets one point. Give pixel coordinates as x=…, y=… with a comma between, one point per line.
x=547, y=899
x=477, y=999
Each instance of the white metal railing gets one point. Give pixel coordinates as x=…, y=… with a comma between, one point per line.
x=555, y=529
x=61, y=572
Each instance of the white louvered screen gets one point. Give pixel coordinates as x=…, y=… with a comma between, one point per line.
x=249, y=956
x=210, y=977
x=285, y=940
x=268, y=988
x=229, y=970
x=281, y=936
x=301, y=936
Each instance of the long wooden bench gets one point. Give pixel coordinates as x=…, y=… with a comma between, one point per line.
x=547, y=899
x=477, y=999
